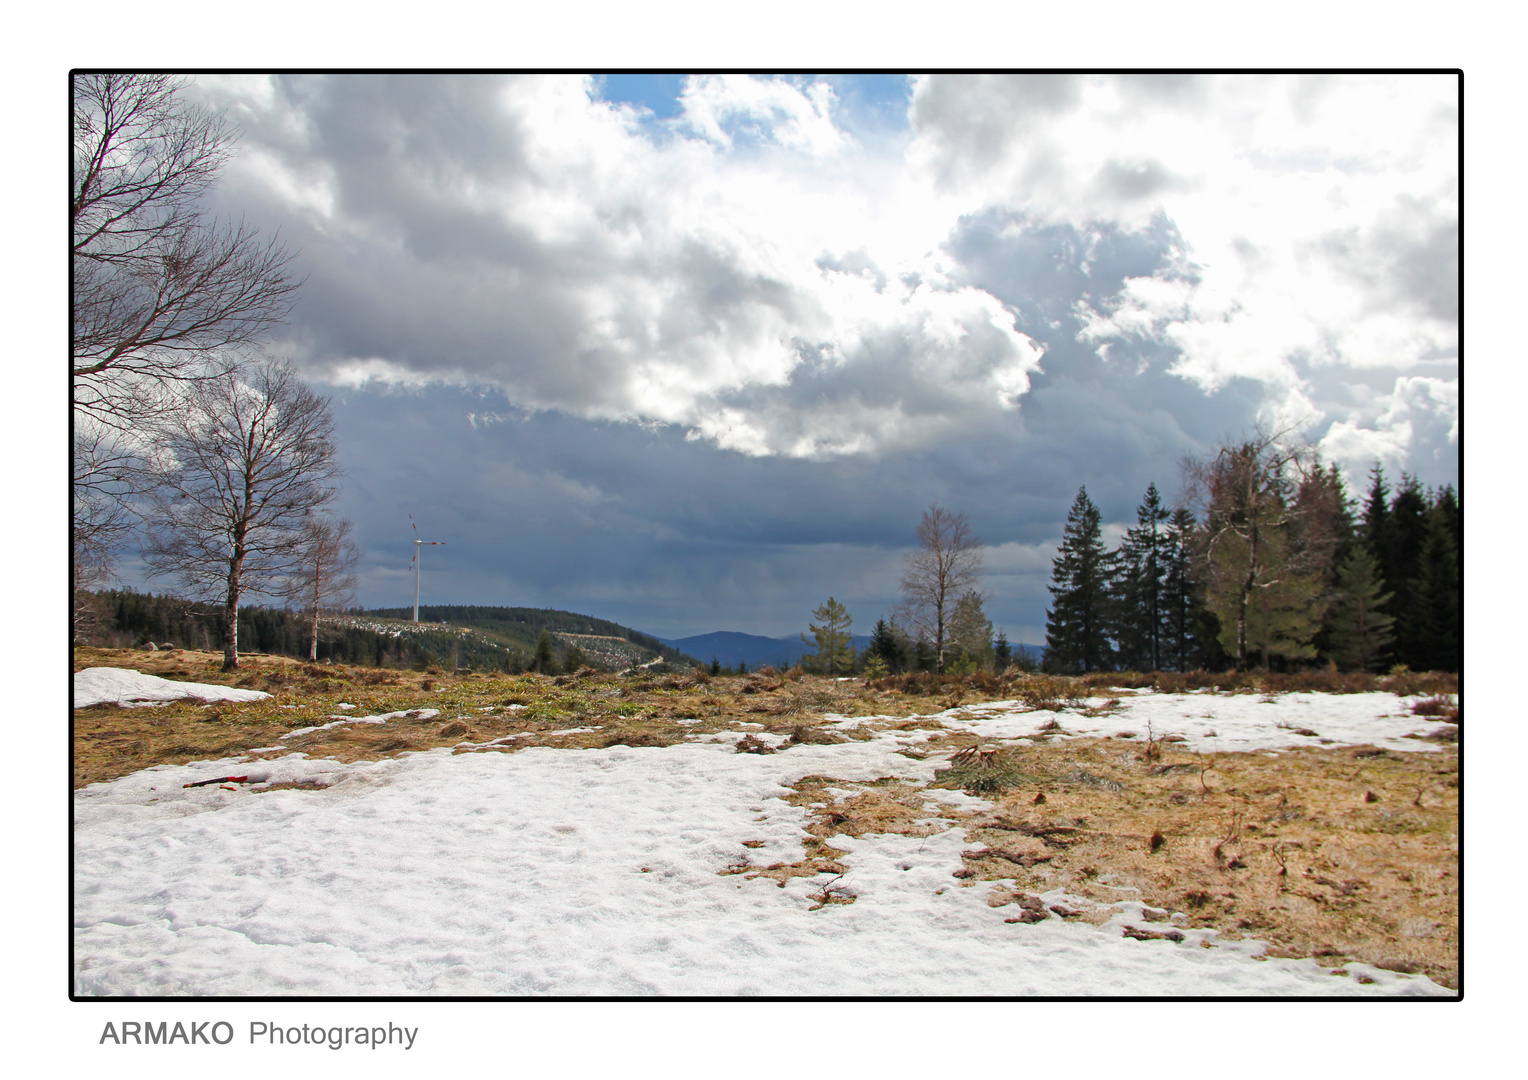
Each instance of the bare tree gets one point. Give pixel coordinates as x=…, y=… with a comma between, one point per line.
x=159, y=290
x=101, y=520
x=322, y=579
x=242, y=462
x=1265, y=543
x=946, y=564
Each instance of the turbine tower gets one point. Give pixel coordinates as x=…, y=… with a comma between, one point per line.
x=417, y=544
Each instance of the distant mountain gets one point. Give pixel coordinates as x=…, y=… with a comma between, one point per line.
x=728, y=647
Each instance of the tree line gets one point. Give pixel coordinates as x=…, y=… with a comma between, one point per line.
x=1269, y=564
x=188, y=440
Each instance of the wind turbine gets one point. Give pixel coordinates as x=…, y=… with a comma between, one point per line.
x=417, y=543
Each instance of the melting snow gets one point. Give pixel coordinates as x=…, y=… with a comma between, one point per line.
x=99, y=684
x=597, y=872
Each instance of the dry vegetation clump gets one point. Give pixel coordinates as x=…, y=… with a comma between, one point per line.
x=1051, y=692
x=1443, y=708
x=984, y=772
x=921, y=683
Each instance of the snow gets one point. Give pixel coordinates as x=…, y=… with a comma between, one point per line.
x=381, y=718
x=100, y=684
x=1219, y=722
x=598, y=872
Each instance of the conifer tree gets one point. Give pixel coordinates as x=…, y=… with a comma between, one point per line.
x=1360, y=631
x=545, y=659
x=1408, y=535
x=1178, y=599
x=1448, y=504
x=1140, y=584
x=830, y=633
x=970, y=629
x=1002, y=652
x=1436, y=632
x=1076, y=627
x=1375, y=527
x=886, y=644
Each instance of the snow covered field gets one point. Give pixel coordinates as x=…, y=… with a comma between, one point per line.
x=598, y=872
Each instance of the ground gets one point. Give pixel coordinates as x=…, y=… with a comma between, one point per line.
x=1335, y=842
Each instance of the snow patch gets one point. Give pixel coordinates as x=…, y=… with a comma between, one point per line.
x=96, y=685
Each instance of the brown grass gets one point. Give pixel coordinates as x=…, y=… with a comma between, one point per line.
x=1336, y=854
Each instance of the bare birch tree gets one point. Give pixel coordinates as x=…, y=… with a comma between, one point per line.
x=322, y=578
x=159, y=289
x=242, y=463
x=945, y=565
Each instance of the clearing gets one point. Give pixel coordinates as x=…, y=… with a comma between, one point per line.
x=418, y=833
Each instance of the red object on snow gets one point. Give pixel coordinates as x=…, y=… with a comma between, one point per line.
x=218, y=780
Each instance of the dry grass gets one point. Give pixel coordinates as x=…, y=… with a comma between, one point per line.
x=1338, y=854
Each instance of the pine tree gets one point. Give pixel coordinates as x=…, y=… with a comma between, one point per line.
x=1178, y=599
x=1360, y=632
x=1447, y=503
x=1141, y=565
x=970, y=629
x=835, y=649
x=1002, y=652
x=1436, y=631
x=885, y=643
x=1076, y=627
x=1408, y=535
x=545, y=659
x=1375, y=527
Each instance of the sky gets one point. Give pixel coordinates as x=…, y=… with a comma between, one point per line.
x=694, y=353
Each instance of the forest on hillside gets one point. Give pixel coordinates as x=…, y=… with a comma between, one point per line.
x=480, y=638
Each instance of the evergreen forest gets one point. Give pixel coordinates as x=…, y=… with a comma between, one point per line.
x=1278, y=569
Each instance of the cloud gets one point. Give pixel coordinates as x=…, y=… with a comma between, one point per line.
x=1318, y=216
x=754, y=274
x=522, y=234
x=1417, y=431
x=721, y=108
